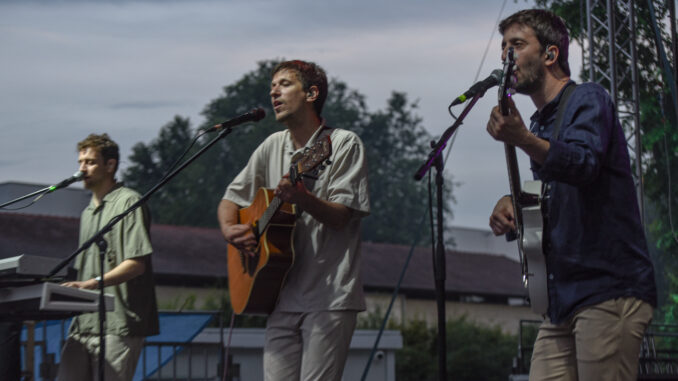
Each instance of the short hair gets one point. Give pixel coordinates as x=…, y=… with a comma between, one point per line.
x=104, y=145
x=549, y=28
x=310, y=74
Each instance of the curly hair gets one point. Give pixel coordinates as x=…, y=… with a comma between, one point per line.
x=310, y=74
x=104, y=145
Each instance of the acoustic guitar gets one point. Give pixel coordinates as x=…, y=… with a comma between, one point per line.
x=254, y=281
x=528, y=218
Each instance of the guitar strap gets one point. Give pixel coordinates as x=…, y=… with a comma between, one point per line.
x=562, y=105
x=309, y=180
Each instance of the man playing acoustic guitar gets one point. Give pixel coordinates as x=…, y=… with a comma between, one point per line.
x=309, y=331
x=601, y=286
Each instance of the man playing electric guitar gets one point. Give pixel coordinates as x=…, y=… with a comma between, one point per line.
x=601, y=284
x=310, y=329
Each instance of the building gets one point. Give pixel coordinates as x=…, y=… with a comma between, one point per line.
x=483, y=277
x=190, y=265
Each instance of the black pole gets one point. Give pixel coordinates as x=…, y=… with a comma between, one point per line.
x=439, y=265
x=38, y=192
x=439, y=271
x=101, y=243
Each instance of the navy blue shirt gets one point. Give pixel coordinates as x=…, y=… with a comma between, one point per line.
x=594, y=240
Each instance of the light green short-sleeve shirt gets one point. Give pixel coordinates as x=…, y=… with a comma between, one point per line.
x=326, y=271
x=136, y=312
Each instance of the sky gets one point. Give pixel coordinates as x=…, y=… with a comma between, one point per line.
x=72, y=67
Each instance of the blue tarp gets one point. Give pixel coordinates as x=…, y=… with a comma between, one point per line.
x=174, y=327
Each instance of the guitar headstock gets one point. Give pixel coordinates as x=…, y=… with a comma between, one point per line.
x=506, y=81
x=314, y=156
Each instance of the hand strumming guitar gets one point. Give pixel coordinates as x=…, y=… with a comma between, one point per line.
x=502, y=218
x=238, y=235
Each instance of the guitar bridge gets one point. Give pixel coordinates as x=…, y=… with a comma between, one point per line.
x=249, y=262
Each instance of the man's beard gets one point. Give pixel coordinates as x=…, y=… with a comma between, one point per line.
x=533, y=76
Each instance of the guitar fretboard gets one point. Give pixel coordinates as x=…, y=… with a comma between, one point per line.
x=265, y=219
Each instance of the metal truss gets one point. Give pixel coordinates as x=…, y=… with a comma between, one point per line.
x=610, y=57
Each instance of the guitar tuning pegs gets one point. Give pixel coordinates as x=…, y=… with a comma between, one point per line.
x=328, y=162
x=322, y=167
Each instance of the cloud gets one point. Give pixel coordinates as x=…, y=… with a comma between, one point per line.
x=144, y=105
x=127, y=67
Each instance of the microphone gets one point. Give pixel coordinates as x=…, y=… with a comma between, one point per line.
x=253, y=116
x=479, y=87
x=77, y=176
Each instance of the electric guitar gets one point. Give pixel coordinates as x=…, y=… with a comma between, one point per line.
x=254, y=281
x=527, y=211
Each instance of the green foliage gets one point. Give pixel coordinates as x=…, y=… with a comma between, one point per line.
x=416, y=360
x=179, y=303
x=479, y=353
x=396, y=144
x=373, y=320
x=183, y=192
x=474, y=352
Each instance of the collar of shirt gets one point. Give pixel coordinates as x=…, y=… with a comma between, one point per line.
x=545, y=116
x=110, y=196
x=289, y=145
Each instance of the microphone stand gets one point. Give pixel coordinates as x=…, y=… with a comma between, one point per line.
x=439, y=264
x=98, y=237
x=36, y=193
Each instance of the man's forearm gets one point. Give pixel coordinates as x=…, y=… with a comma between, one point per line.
x=332, y=214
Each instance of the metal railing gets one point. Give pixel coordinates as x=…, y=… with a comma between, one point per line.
x=188, y=361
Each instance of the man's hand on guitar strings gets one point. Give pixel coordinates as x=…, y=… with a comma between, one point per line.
x=509, y=128
x=294, y=194
x=242, y=238
x=502, y=218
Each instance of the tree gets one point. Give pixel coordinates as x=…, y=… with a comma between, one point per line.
x=396, y=143
x=475, y=352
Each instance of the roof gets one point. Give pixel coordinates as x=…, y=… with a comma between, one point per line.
x=183, y=253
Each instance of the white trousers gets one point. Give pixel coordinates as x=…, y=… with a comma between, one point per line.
x=307, y=346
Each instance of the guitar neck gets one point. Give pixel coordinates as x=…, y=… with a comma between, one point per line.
x=262, y=223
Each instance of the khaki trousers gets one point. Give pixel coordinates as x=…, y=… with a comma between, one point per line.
x=80, y=358
x=307, y=346
x=600, y=342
